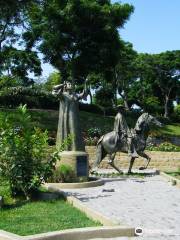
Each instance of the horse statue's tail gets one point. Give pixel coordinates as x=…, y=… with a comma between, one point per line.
x=100, y=154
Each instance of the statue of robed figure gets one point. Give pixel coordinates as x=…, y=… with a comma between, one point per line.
x=69, y=121
x=69, y=126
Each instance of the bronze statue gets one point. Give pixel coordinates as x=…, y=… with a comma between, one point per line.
x=125, y=140
x=122, y=131
x=69, y=123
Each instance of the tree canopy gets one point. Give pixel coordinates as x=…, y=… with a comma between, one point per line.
x=15, y=61
x=78, y=36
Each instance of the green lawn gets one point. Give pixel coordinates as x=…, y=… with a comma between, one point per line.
x=175, y=174
x=42, y=216
x=48, y=119
x=171, y=130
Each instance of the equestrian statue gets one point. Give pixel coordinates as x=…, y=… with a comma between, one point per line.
x=124, y=139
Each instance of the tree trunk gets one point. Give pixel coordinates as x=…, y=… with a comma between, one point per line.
x=166, y=112
x=126, y=102
x=90, y=95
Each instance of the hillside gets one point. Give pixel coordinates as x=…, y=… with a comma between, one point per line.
x=48, y=119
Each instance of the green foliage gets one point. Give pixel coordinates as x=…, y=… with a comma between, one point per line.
x=91, y=141
x=8, y=81
x=104, y=97
x=42, y=217
x=64, y=173
x=175, y=174
x=92, y=136
x=78, y=36
x=5, y=192
x=157, y=78
x=177, y=110
x=164, y=147
x=152, y=105
x=33, y=97
x=53, y=79
x=16, y=62
x=94, y=132
x=22, y=154
x=91, y=108
x=125, y=71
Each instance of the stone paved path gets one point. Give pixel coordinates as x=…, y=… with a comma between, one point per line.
x=150, y=203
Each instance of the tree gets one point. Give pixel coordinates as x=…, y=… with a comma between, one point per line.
x=53, y=79
x=104, y=97
x=77, y=36
x=14, y=60
x=124, y=72
x=142, y=89
x=157, y=81
x=167, y=69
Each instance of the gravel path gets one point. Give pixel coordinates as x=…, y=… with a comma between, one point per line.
x=150, y=203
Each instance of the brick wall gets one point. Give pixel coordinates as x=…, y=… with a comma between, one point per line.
x=159, y=160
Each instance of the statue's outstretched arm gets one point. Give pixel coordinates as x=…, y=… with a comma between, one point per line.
x=58, y=90
x=85, y=92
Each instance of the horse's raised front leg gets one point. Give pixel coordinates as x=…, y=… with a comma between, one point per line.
x=111, y=162
x=146, y=157
x=131, y=164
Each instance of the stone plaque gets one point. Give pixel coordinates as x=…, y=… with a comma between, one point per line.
x=82, y=166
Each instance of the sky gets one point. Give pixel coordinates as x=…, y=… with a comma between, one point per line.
x=154, y=27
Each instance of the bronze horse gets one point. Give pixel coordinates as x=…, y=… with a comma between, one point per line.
x=108, y=143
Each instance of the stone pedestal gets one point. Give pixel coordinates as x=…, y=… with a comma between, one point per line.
x=78, y=161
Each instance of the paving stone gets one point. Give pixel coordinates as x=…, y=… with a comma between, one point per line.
x=150, y=203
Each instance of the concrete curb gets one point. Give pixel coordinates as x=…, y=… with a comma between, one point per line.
x=94, y=183
x=75, y=234
x=9, y=236
x=175, y=181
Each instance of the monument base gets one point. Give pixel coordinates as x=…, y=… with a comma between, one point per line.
x=78, y=161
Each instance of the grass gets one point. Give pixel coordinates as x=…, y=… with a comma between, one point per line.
x=175, y=174
x=48, y=119
x=171, y=130
x=42, y=216
x=27, y=218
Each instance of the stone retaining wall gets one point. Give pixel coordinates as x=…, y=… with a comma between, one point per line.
x=159, y=160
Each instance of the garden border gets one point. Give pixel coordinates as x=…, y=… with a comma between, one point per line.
x=171, y=179
x=75, y=234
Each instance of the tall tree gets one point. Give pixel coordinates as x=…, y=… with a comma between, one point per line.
x=124, y=72
x=158, y=80
x=167, y=69
x=14, y=60
x=78, y=36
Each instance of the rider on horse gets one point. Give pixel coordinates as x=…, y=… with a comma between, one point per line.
x=122, y=130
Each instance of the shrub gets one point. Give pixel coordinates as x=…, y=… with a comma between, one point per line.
x=177, y=110
x=164, y=147
x=91, y=141
x=63, y=173
x=33, y=97
x=94, y=132
x=22, y=153
x=176, y=115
